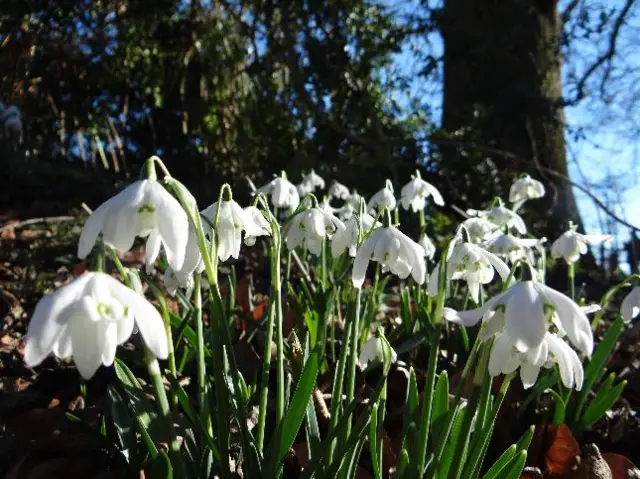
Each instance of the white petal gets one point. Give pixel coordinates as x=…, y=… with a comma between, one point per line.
x=572, y=318
x=499, y=265
x=524, y=313
x=92, y=228
x=146, y=316
x=563, y=357
x=173, y=224
x=472, y=316
x=50, y=316
x=437, y=197
x=110, y=343
x=86, y=337
x=120, y=222
x=62, y=347
x=432, y=286
x=363, y=256
x=529, y=375
x=629, y=307
x=597, y=239
x=500, y=352
x=152, y=248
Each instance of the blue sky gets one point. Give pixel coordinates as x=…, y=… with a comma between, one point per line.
x=605, y=159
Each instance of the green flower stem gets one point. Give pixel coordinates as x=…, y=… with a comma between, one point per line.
x=277, y=294
x=427, y=403
x=572, y=281
x=203, y=385
x=163, y=405
x=353, y=358
x=264, y=379
x=336, y=393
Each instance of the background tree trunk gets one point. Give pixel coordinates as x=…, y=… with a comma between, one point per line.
x=502, y=78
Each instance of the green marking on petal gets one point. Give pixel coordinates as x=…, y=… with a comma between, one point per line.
x=146, y=209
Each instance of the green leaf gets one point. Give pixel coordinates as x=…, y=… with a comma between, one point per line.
x=601, y=404
x=495, y=470
x=440, y=406
x=411, y=403
x=447, y=456
x=403, y=462
x=292, y=421
x=373, y=441
x=161, y=466
x=525, y=441
x=515, y=466
x=143, y=411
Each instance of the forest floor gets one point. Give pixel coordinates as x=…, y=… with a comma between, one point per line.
x=52, y=421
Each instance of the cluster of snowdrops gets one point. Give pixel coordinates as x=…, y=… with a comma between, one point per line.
x=525, y=326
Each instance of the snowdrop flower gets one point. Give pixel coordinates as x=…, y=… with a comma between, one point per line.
x=256, y=225
x=232, y=220
x=347, y=238
x=571, y=244
x=512, y=248
x=630, y=306
x=478, y=228
x=525, y=188
x=427, y=245
x=382, y=199
x=505, y=359
x=375, y=350
x=338, y=190
x=525, y=312
x=308, y=228
x=87, y=319
x=471, y=263
x=283, y=193
x=502, y=216
x=393, y=250
x=415, y=193
x=143, y=209
x=309, y=183
x=183, y=278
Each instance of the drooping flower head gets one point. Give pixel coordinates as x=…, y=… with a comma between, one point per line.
x=501, y=216
x=571, y=244
x=471, y=263
x=376, y=350
x=382, y=199
x=427, y=245
x=229, y=224
x=347, y=238
x=525, y=188
x=183, y=278
x=338, y=190
x=528, y=309
x=512, y=249
x=310, y=227
x=282, y=192
x=142, y=209
x=630, y=306
x=415, y=193
x=310, y=182
x=394, y=250
x=87, y=319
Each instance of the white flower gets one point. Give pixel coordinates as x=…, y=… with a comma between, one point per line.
x=471, y=263
x=502, y=216
x=308, y=228
x=283, y=193
x=338, y=190
x=183, y=278
x=142, y=209
x=571, y=244
x=414, y=194
x=347, y=238
x=382, y=199
x=528, y=309
x=512, y=248
x=478, y=228
x=232, y=220
x=630, y=305
x=87, y=319
x=310, y=182
x=427, y=245
x=374, y=350
x=525, y=188
x=505, y=359
x=393, y=250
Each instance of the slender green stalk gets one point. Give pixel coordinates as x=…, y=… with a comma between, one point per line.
x=280, y=385
x=264, y=378
x=353, y=358
x=572, y=281
x=163, y=405
x=203, y=386
x=427, y=402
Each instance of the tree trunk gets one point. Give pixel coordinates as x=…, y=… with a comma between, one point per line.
x=502, y=89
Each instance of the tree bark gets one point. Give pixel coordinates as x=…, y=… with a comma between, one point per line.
x=503, y=89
